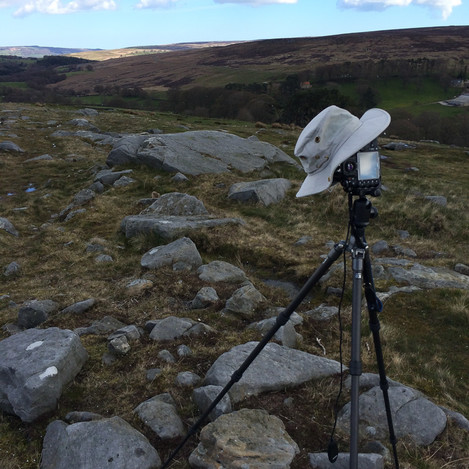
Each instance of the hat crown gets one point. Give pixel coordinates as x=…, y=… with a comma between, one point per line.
x=323, y=136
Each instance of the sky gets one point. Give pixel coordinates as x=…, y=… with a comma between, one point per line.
x=113, y=24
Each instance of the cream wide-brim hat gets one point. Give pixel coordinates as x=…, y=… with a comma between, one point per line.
x=330, y=138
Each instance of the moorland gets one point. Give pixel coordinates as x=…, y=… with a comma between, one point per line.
x=424, y=333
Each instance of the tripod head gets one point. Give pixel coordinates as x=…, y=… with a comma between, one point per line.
x=361, y=211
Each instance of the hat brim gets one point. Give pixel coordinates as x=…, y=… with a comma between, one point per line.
x=372, y=124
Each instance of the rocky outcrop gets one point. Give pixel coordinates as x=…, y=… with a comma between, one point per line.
x=35, y=366
x=196, y=152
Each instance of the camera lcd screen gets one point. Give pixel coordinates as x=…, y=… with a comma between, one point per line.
x=368, y=165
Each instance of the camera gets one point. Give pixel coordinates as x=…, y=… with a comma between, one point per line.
x=360, y=174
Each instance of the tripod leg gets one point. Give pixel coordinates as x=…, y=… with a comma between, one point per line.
x=282, y=319
x=374, y=307
x=355, y=370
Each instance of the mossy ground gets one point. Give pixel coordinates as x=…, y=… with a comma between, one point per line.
x=425, y=334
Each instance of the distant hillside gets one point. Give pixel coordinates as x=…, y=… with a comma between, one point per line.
x=39, y=51
x=106, y=54
x=271, y=60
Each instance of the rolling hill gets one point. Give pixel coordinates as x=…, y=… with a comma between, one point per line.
x=271, y=60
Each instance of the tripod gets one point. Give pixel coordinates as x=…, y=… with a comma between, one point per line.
x=361, y=210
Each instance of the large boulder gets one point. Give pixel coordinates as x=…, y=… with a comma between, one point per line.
x=106, y=443
x=246, y=438
x=197, y=152
x=275, y=368
x=35, y=365
x=413, y=415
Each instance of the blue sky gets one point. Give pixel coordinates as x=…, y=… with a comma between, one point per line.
x=109, y=24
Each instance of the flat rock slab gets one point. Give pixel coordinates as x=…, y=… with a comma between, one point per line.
x=413, y=415
x=197, y=152
x=35, y=365
x=107, y=443
x=181, y=254
x=170, y=227
x=248, y=438
x=275, y=368
x=265, y=191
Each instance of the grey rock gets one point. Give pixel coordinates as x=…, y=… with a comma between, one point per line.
x=457, y=418
x=187, y=379
x=176, y=204
x=103, y=326
x=428, y=277
x=124, y=181
x=379, y=247
x=198, y=152
x=462, y=269
x=109, y=177
x=181, y=254
x=286, y=335
x=266, y=191
x=35, y=366
x=74, y=213
x=323, y=312
x=166, y=356
x=45, y=157
x=244, y=301
x=35, y=312
x=159, y=413
x=101, y=443
x=10, y=147
x=125, y=150
x=80, y=307
x=88, y=112
x=246, y=438
x=365, y=461
x=292, y=367
x=7, y=226
x=119, y=346
x=413, y=415
x=179, y=177
x=205, y=297
x=130, y=332
x=403, y=251
x=83, y=197
x=403, y=234
x=171, y=227
x=103, y=259
x=153, y=373
x=221, y=271
x=171, y=328
x=184, y=351
x=204, y=396
x=12, y=269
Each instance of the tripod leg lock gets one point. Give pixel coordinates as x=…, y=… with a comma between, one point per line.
x=355, y=368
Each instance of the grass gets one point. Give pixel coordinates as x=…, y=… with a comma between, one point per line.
x=425, y=334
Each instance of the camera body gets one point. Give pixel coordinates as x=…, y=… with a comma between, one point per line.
x=361, y=173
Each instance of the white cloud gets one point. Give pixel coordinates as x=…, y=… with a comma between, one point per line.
x=155, y=3
x=56, y=7
x=258, y=2
x=444, y=6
